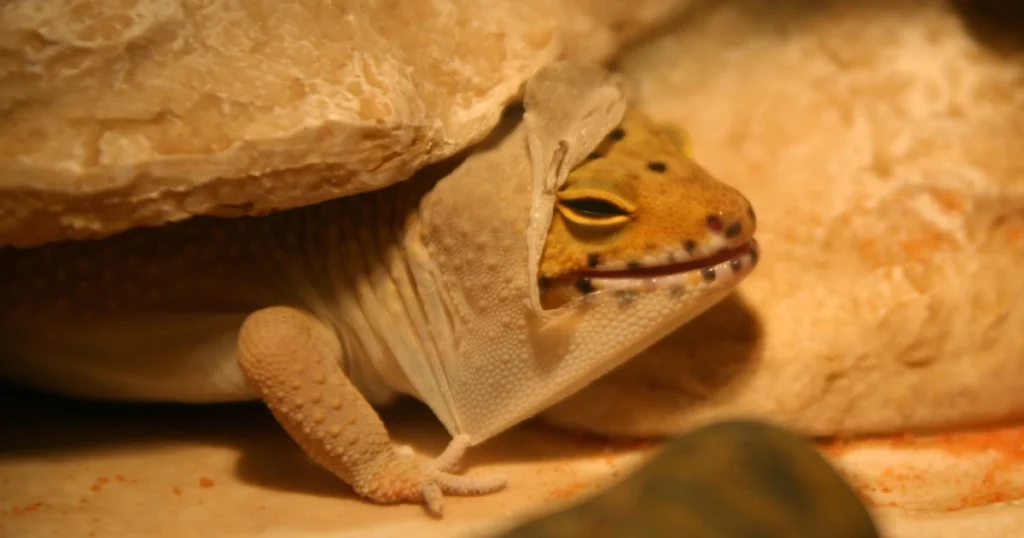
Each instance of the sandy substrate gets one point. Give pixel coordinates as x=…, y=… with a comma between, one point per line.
x=98, y=471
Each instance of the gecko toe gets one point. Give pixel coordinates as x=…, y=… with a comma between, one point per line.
x=452, y=455
x=471, y=485
x=433, y=498
x=433, y=490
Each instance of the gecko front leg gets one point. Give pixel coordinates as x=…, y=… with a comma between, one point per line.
x=293, y=361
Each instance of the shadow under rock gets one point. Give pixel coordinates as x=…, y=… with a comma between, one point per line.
x=41, y=424
x=37, y=425
x=996, y=24
x=47, y=426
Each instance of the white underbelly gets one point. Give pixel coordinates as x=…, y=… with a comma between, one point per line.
x=153, y=357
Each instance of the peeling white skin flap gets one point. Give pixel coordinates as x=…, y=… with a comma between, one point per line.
x=569, y=110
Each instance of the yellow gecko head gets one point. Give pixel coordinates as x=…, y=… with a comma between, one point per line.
x=638, y=241
x=638, y=208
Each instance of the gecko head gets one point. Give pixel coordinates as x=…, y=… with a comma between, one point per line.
x=640, y=216
x=641, y=240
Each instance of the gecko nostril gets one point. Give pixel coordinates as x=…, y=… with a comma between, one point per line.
x=656, y=166
x=734, y=229
x=690, y=245
x=715, y=223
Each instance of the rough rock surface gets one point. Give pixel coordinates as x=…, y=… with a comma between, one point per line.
x=880, y=143
x=140, y=112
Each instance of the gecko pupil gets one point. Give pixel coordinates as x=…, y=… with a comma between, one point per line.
x=595, y=208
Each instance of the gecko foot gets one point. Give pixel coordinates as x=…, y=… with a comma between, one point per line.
x=409, y=477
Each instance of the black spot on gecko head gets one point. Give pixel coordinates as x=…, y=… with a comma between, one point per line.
x=584, y=285
x=617, y=133
x=656, y=166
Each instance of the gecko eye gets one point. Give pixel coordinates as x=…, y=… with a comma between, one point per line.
x=595, y=208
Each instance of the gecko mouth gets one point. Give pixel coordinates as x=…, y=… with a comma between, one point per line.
x=727, y=255
x=720, y=270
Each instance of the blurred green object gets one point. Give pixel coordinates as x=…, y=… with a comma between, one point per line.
x=732, y=479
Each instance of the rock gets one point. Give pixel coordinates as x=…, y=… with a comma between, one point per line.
x=725, y=480
x=881, y=144
x=124, y=114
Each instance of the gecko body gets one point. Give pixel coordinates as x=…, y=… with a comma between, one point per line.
x=488, y=291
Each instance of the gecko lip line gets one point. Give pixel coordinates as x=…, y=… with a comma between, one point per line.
x=675, y=268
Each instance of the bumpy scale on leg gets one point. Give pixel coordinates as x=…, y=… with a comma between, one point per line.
x=293, y=360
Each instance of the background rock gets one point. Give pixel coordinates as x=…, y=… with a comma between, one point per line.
x=880, y=143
